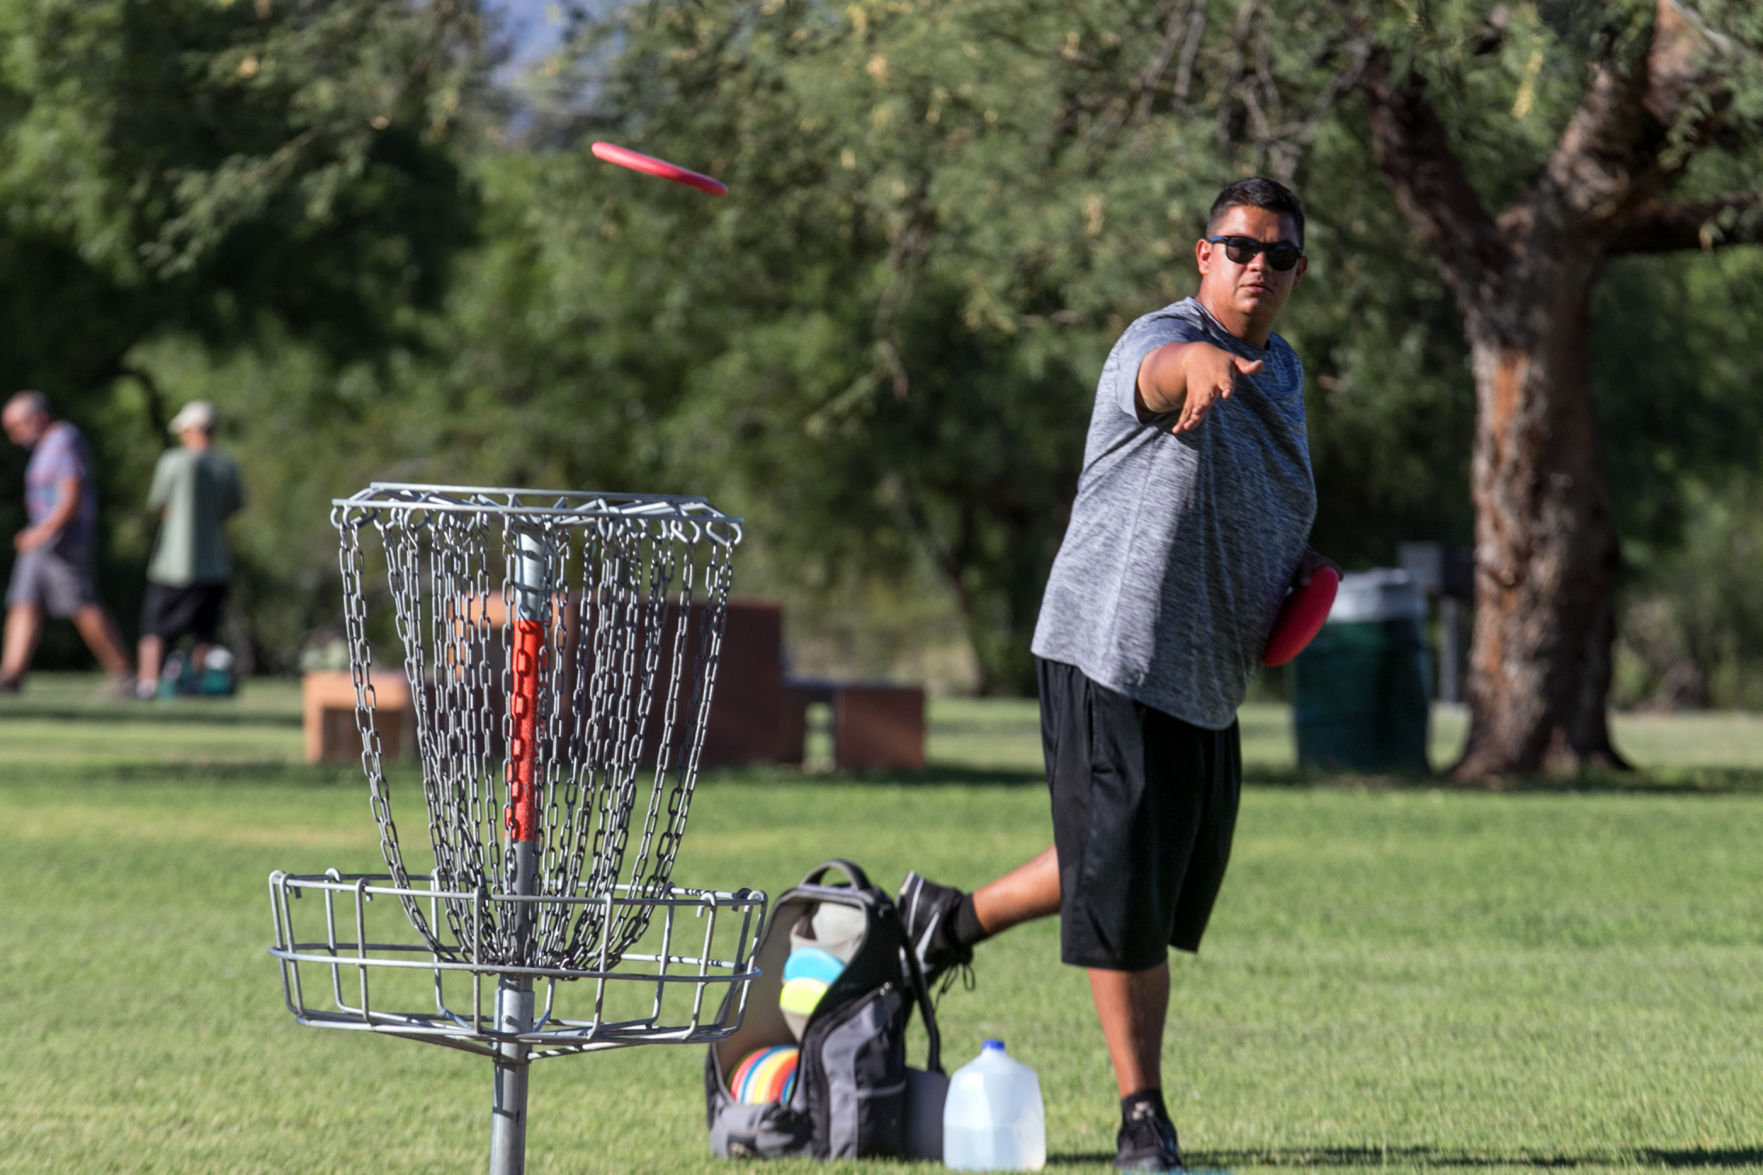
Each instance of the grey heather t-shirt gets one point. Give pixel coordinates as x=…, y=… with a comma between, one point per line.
x=1181, y=548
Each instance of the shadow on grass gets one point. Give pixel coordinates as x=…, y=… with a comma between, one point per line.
x=1697, y=781
x=936, y=775
x=1426, y=1156
x=952, y=776
x=278, y=772
x=216, y=713
x=1741, y=1157
x=1683, y=781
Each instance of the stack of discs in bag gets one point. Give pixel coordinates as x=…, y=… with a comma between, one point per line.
x=765, y=1075
x=807, y=974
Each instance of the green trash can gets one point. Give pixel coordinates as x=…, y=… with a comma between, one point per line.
x=1361, y=692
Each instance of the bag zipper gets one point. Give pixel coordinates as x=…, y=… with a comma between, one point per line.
x=819, y=1112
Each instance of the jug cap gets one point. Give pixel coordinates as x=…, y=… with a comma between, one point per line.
x=992, y=1044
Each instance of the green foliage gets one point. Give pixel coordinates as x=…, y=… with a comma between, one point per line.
x=303, y=432
x=233, y=173
x=1390, y=398
x=940, y=217
x=885, y=339
x=880, y=348
x=1677, y=369
x=202, y=166
x=1693, y=632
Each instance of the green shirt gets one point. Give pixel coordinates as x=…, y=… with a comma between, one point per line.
x=195, y=491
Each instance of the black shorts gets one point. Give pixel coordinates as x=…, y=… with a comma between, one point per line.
x=1144, y=808
x=169, y=612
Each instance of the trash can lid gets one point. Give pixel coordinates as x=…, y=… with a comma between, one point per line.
x=1383, y=593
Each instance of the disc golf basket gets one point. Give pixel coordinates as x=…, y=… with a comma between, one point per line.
x=560, y=650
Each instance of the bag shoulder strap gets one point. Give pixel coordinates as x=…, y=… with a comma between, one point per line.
x=927, y=1009
x=858, y=878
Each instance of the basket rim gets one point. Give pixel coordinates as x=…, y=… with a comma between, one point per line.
x=585, y=505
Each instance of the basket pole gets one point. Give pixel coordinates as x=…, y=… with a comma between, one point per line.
x=514, y=993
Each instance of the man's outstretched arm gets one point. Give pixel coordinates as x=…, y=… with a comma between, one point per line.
x=1190, y=378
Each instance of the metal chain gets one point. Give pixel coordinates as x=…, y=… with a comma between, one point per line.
x=662, y=557
x=457, y=747
x=361, y=668
x=636, y=610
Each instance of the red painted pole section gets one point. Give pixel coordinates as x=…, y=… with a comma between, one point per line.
x=522, y=814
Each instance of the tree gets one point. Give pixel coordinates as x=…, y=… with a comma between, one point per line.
x=969, y=195
x=1662, y=86
x=940, y=216
x=207, y=166
x=238, y=174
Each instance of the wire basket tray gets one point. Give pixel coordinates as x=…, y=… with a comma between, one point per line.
x=351, y=961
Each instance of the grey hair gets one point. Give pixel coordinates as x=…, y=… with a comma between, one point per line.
x=30, y=401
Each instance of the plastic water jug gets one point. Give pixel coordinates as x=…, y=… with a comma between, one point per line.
x=992, y=1119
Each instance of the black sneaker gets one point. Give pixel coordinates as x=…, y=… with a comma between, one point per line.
x=1147, y=1142
x=928, y=912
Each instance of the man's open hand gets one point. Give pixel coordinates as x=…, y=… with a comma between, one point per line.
x=1212, y=375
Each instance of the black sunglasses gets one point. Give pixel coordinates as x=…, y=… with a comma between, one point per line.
x=1281, y=255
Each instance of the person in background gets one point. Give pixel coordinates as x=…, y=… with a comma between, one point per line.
x=195, y=489
x=53, y=574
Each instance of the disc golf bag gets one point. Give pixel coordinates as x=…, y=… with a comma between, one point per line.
x=838, y=982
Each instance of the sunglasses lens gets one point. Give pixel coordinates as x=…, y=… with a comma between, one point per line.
x=1242, y=250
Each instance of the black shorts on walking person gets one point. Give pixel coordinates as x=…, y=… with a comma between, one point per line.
x=1144, y=807
x=169, y=612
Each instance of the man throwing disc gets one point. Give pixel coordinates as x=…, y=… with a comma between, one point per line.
x=1191, y=523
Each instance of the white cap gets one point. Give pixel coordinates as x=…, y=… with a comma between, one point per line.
x=196, y=414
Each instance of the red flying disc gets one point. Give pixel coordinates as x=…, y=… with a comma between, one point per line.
x=1301, y=617
x=649, y=165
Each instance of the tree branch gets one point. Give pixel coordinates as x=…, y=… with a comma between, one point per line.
x=1657, y=227
x=156, y=417
x=1152, y=77
x=1239, y=40
x=1640, y=121
x=1293, y=140
x=1184, y=71
x=1430, y=186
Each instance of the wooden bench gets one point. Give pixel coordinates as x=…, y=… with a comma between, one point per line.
x=747, y=709
x=756, y=714
x=327, y=712
x=876, y=726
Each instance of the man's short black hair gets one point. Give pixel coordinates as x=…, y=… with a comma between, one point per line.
x=1257, y=192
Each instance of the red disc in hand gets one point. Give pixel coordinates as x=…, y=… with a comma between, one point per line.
x=649, y=165
x=1300, y=617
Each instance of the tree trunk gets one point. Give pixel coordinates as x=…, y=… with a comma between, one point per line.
x=1545, y=546
x=1546, y=550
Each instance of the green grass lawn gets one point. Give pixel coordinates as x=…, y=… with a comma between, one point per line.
x=1398, y=975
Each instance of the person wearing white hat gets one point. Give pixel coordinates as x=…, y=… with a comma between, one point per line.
x=196, y=488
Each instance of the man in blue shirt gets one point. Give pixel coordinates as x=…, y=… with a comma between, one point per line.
x=53, y=574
